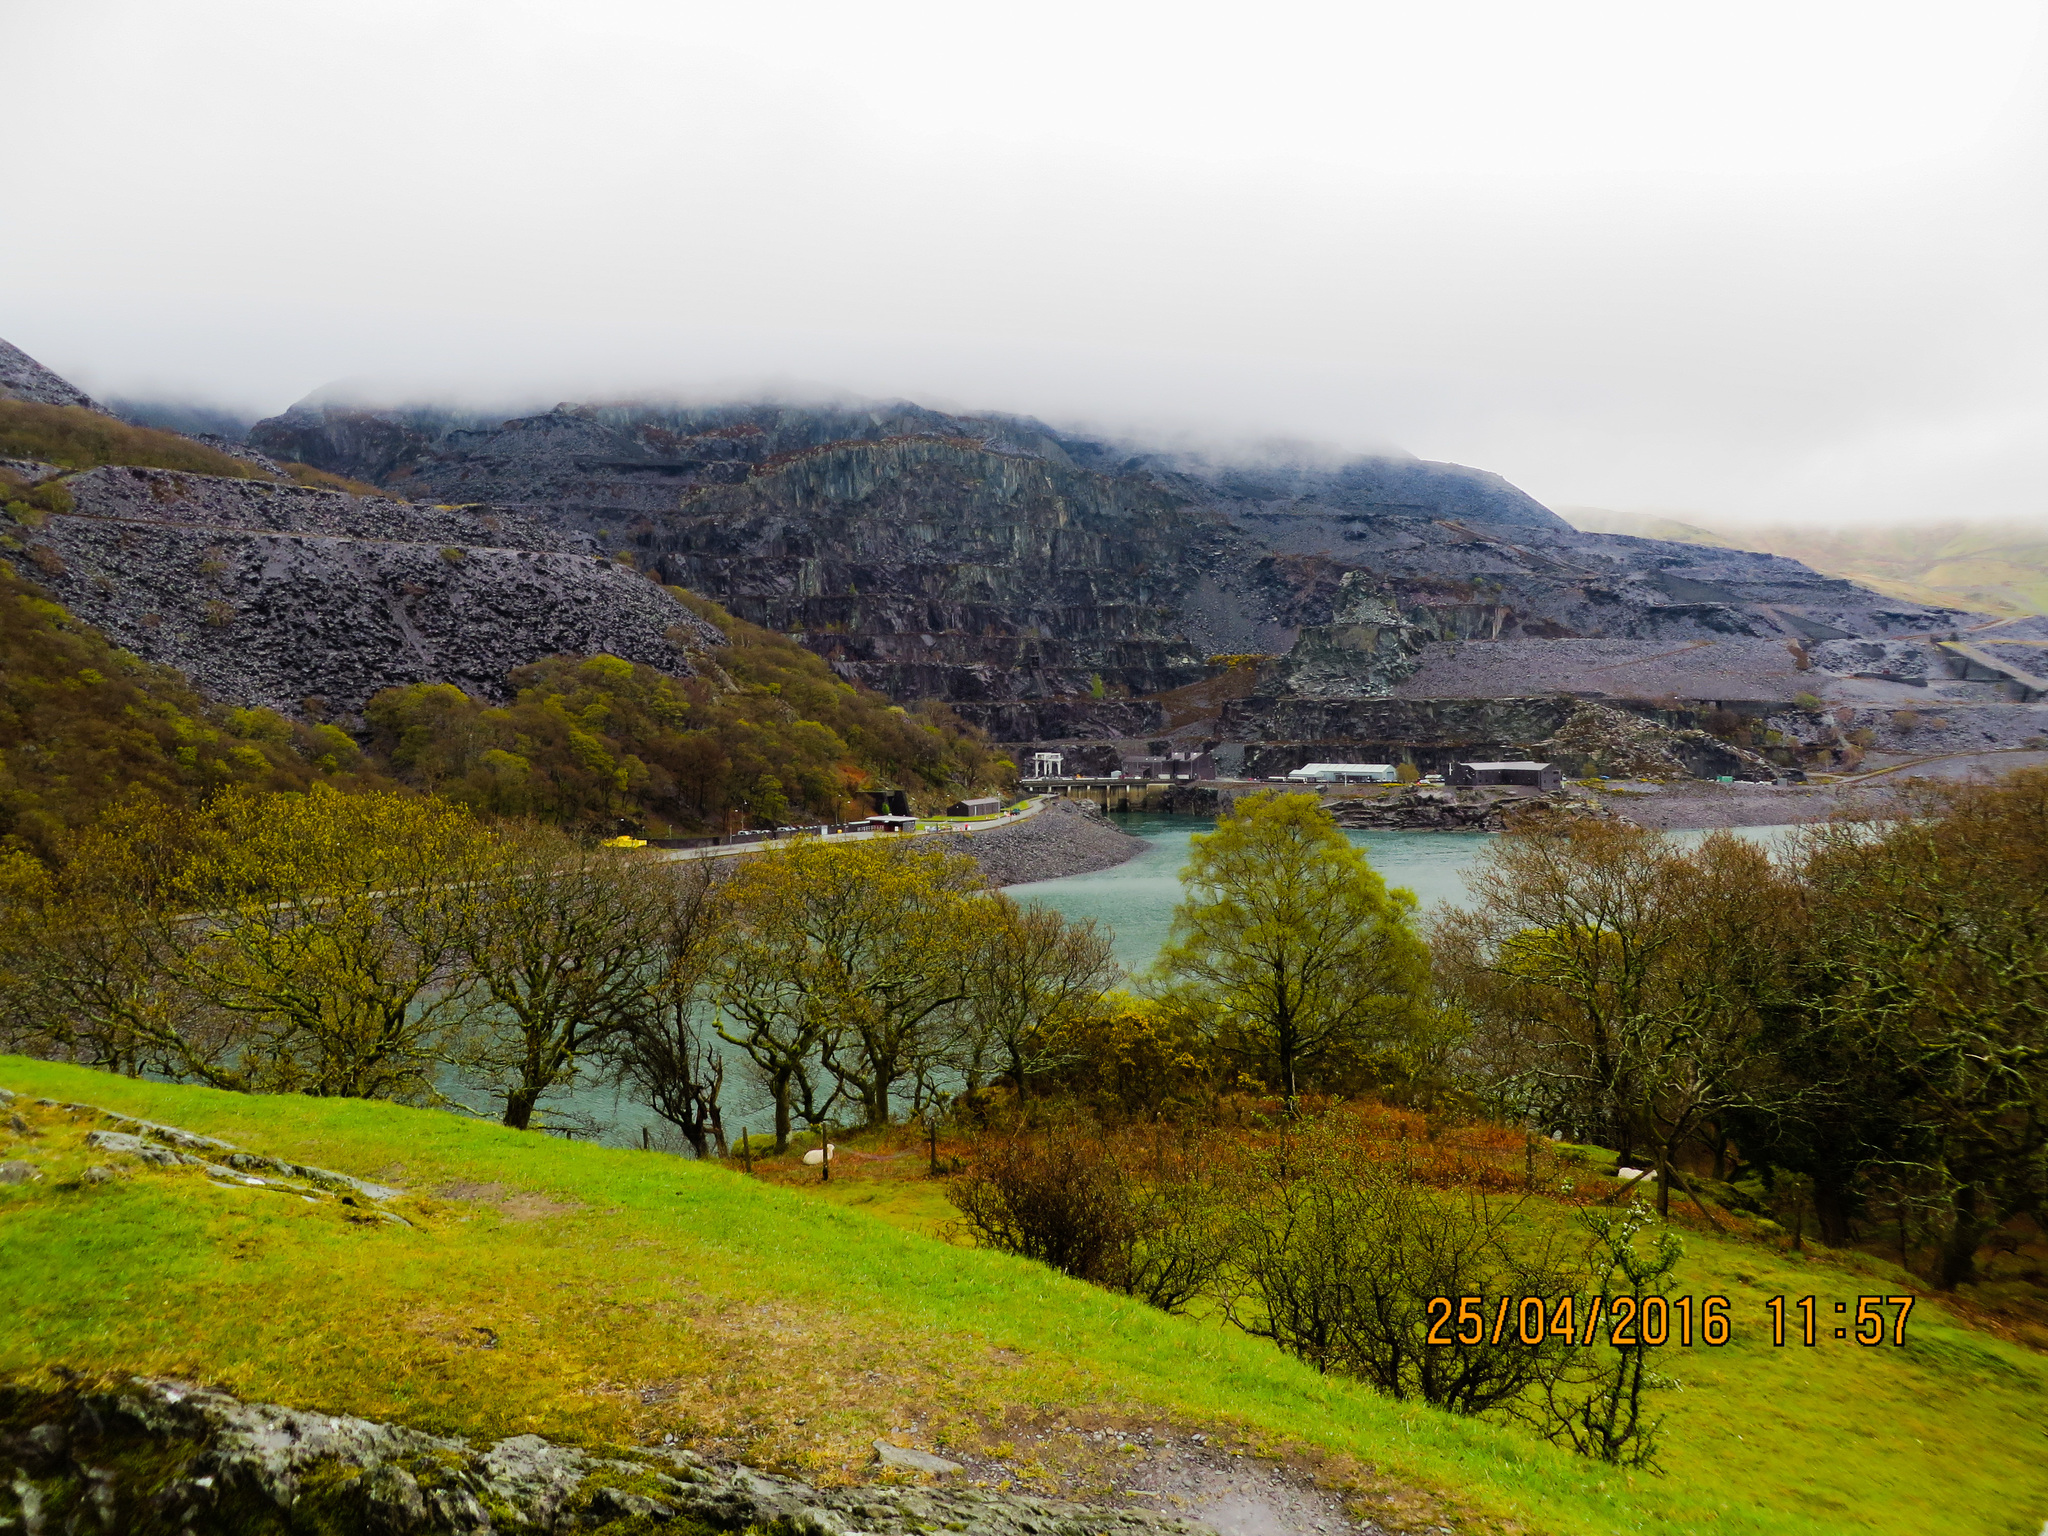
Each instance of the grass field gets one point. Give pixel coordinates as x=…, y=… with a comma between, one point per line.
x=605, y=1295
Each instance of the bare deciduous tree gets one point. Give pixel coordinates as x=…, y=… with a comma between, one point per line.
x=668, y=1054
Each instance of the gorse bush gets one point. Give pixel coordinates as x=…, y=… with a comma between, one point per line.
x=1059, y=1199
x=1146, y=1220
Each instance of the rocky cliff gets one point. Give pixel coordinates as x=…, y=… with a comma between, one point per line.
x=1047, y=582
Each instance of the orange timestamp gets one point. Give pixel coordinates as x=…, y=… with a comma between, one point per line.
x=1641, y=1322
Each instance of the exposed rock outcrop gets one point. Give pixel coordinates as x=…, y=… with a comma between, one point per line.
x=1425, y=808
x=126, y=1142
x=1614, y=743
x=162, y=1458
x=931, y=567
x=1363, y=652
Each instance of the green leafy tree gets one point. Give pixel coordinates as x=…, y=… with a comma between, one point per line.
x=1290, y=944
x=845, y=957
x=563, y=945
x=1034, y=978
x=330, y=933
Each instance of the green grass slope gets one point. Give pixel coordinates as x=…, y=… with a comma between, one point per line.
x=604, y=1295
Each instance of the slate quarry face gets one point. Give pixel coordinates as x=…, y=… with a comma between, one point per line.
x=1052, y=586
x=1045, y=583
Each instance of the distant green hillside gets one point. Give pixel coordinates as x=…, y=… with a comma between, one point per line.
x=603, y=1295
x=1986, y=567
x=1644, y=525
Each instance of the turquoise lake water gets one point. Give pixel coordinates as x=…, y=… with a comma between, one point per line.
x=1135, y=901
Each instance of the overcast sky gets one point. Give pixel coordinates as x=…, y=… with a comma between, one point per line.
x=1777, y=261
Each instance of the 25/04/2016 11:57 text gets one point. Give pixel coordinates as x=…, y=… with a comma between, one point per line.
x=1636, y=1322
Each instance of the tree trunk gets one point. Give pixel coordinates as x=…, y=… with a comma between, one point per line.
x=779, y=1088
x=1663, y=1187
x=1831, y=1210
x=519, y=1107
x=1959, y=1251
x=875, y=1093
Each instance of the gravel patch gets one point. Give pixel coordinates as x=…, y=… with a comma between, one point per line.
x=1698, y=807
x=1692, y=805
x=1068, y=837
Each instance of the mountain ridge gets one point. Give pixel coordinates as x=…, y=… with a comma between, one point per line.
x=1046, y=585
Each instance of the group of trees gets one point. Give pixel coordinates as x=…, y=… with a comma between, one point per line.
x=385, y=945
x=1867, y=1017
x=1863, y=1023
x=390, y=945
x=375, y=945
x=767, y=732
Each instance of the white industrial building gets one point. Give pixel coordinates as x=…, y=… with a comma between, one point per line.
x=1344, y=773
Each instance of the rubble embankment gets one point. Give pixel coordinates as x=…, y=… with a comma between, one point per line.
x=1067, y=837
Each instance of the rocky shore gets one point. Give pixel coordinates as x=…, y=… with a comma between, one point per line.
x=1067, y=837
x=154, y=1457
x=1428, y=808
